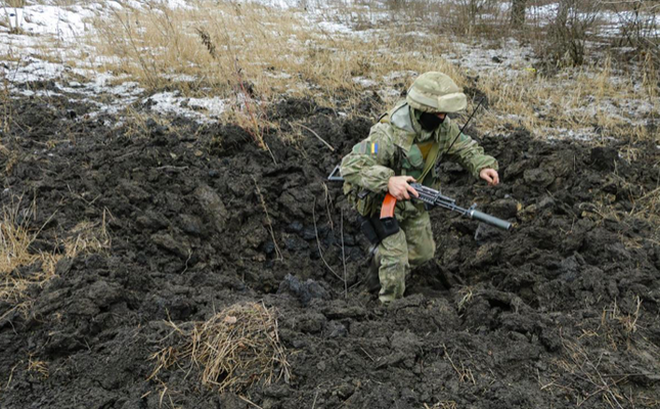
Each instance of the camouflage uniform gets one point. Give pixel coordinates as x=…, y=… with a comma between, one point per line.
x=398, y=145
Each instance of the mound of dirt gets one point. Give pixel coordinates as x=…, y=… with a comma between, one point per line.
x=560, y=311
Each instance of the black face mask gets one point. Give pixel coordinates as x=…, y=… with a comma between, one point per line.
x=429, y=121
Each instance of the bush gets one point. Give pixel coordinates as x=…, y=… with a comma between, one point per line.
x=575, y=23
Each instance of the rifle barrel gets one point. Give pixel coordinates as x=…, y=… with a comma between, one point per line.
x=436, y=198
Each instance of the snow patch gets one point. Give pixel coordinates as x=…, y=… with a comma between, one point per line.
x=202, y=110
x=34, y=70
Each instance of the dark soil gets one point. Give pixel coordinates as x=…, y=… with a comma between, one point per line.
x=561, y=312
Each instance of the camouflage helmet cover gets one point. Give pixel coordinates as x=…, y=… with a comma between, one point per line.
x=436, y=92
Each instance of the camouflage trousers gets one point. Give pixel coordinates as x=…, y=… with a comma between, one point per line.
x=410, y=247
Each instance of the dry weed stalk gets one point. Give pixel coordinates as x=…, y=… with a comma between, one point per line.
x=262, y=201
x=467, y=295
x=628, y=321
x=318, y=245
x=38, y=367
x=650, y=76
x=254, y=112
x=445, y=404
x=235, y=348
x=464, y=374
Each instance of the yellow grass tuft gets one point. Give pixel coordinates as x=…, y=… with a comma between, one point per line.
x=16, y=238
x=15, y=241
x=88, y=237
x=39, y=368
x=234, y=349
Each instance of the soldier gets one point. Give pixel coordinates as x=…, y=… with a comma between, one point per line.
x=404, y=147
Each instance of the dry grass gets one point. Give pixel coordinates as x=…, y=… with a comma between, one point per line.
x=15, y=241
x=234, y=349
x=253, y=56
x=537, y=102
x=17, y=235
x=627, y=322
x=88, y=237
x=596, y=366
x=244, y=51
x=38, y=368
x=446, y=404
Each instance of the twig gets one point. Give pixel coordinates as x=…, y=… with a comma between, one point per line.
x=249, y=401
x=315, y=396
x=314, y=133
x=651, y=193
x=343, y=254
x=367, y=353
x=463, y=375
x=328, y=200
x=170, y=167
x=11, y=375
x=318, y=242
x=270, y=224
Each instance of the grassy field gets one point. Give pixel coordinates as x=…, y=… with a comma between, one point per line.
x=255, y=55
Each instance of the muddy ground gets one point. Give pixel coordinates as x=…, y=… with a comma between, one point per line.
x=561, y=312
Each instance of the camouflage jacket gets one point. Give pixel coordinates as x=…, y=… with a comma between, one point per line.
x=392, y=148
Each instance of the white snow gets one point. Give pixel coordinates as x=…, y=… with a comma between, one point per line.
x=63, y=23
x=365, y=82
x=200, y=109
x=34, y=70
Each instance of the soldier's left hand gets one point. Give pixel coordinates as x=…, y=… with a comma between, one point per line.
x=490, y=176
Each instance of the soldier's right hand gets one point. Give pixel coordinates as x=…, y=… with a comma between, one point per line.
x=399, y=188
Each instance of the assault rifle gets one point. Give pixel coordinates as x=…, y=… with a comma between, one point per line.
x=376, y=228
x=434, y=198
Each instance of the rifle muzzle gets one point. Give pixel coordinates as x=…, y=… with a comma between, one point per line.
x=492, y=220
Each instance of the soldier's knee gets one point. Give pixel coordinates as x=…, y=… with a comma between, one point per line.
x=422, y=253
x=427, y=252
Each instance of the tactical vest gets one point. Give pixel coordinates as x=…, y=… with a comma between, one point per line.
x=419, y=159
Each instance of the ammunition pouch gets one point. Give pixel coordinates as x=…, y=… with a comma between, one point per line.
x=377, y=229
x=368, y=204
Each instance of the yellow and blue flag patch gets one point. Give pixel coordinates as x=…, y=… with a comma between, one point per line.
x=366, y=147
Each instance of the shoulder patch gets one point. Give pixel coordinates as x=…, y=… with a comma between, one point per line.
x=366, y=147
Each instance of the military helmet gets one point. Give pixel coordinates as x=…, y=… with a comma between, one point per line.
x=436, y=92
